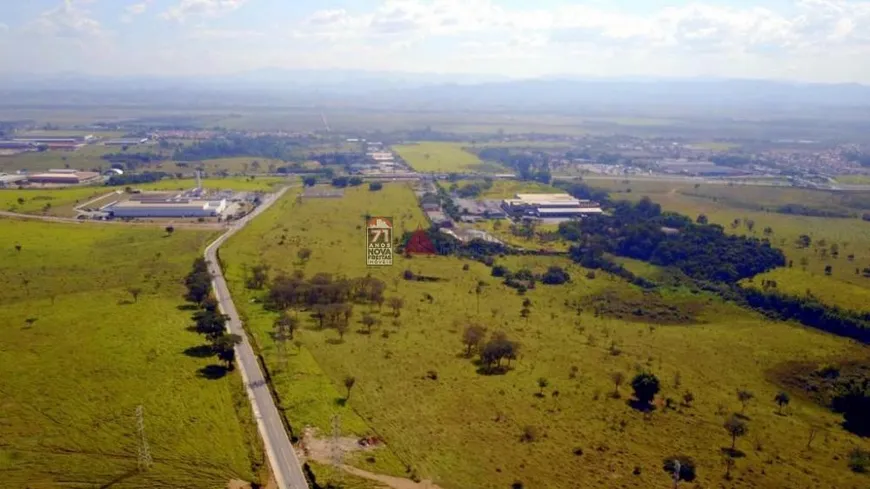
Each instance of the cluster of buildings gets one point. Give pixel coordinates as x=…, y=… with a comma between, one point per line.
x=550, y=206
x=33, y=143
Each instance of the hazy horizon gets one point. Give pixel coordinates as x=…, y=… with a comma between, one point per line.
x=800, y=40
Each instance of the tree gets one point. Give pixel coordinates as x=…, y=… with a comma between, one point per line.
x=285, y=327
x=309, y=181
x=210, y=323
x=375, y=186
x=555, y=276
x=782, y=399
x=645, y=386
x=349, y=382
x=134, y=292
x=828, y=269
x=170, y=230
x=688, y=398
x=355, y=181
x=618, y=378
x=735, y=427
x=702, y=219
x=543, y=383
x=304, y=255
x=804, y=241
x=368, y=321
x=341, y=327
x=224, y=348
x=744, y=396
x=18, y=247
x=680, y=468
x=396, y=304
x=750, y=224
x=472, y=337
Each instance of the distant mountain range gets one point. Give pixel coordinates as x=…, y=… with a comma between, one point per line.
x=392, y=90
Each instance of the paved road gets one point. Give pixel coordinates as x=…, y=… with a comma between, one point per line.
x=285, y=465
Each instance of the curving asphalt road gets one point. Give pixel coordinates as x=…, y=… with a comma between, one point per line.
x=282, y=457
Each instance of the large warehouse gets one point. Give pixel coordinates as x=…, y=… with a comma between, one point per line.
x=550, y=205
x=167, y=208
x=68, y=177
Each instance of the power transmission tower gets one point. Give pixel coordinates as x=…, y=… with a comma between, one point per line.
x=144, y=456
x=336, y=441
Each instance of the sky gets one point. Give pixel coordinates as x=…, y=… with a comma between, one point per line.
x=806, y=40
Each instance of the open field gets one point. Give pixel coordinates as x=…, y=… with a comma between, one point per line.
x=245, y=184
x=60, y=201
x=244, y=164
x=439, y=157
x=523, y=144
x=854, y=179
x=723, y=204
x=715, y=145
x=80, y=355
x=506, y=189
x=463, y=430
x=63, y=133
x=86, y=158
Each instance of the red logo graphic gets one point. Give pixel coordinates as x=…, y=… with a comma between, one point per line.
x=420, y=244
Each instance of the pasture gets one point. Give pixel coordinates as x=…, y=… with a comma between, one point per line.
x=243, y=184
x=237, y=165
x=81, y=353
x=463, y=429
x=439, y=157
x=87, y=158
x=48, y=201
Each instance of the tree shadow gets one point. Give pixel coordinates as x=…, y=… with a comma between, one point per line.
x=213, y=372
x=334, y=341
x=125, y=302
x=187, y=307
x=340, y=401
x=742, y=416
x=120, y=478
x=191, y=328
x=539, y=395
x=733, y=453
x=201, y=351
x=643, y=407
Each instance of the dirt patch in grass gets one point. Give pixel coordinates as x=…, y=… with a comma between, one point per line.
x=645, y=307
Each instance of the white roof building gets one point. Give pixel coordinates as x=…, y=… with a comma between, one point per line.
x=169, y=208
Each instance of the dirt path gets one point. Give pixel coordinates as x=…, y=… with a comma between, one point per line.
x=323, y=450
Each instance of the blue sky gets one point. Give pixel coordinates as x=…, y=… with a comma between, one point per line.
x=813, y=40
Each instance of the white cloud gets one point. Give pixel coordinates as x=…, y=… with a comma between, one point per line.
x=205, y=8
x=134, y=10
x=224, y=34
x=67, y=20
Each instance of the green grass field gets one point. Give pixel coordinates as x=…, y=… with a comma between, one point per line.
x=232, y=165
x=463, y=430
x=60, y=201
x=86, y=158
x=438, y=157
x=79, y=355
x=248, y=184
x=506, y=189
x=854, y=179
x=723, y=204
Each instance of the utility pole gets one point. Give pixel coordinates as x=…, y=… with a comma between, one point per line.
x=336, y=441
x=144, y=457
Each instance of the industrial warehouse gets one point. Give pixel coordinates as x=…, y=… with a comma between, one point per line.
x=166, y=208
x=63, y=177
x=549, y=206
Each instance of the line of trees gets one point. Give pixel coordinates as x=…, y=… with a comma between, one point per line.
x=533, y=166
x=136, y=178
x=272, y=147
x=208, y=321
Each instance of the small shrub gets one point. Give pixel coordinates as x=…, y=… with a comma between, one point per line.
x=590, y=275
x=530, y=434
x=859, y=461
x=408, y=275
x=432, y=375
x=465, y=267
